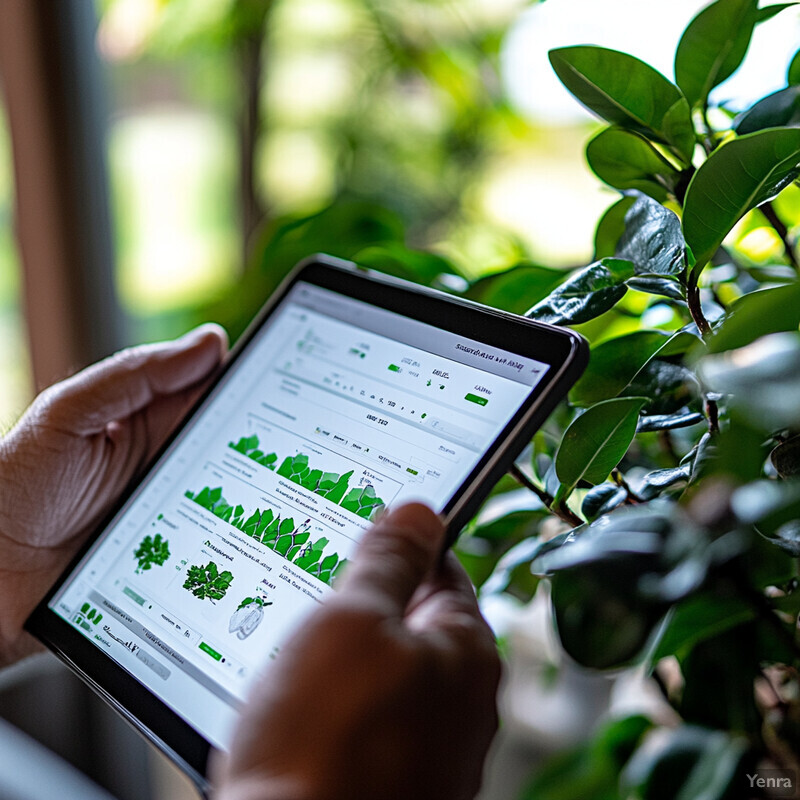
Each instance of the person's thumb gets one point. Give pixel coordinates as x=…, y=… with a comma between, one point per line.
x=394, y=558
x=129, y=381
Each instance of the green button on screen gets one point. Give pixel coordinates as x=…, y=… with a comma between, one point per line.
x=137, y=598
x=474, y=398
x=210, y=650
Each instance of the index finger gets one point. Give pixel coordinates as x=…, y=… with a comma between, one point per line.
x=394, y=558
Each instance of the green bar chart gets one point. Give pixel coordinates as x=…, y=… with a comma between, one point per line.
x=282, y=535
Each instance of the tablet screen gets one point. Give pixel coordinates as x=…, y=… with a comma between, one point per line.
x=335, y=410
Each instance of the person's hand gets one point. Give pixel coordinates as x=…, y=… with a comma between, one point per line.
x=387, y=692
x=73, y=452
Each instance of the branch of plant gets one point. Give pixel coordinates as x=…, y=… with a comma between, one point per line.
x=560, y=510
x=707, y=139
x=619, y=479
x=695, y=305
x=712, y=414
x=766, y=613
x=768, y=210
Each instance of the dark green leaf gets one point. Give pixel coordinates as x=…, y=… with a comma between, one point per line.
x=687, y=763
x=669, y=387
x=610, y=228
x=793, y=74
x=601, y=622
x=513, y=574
x=768, y=12
x=587, y=294
x=758, y=314
x=592, y=769
x=713, y=47
x=737, y=177
x=602, y=499
x=504, y=521
x=626, y=160
x=516, y=289
x=778, y=110
x=665, y=287
x=653, y=240
x=786, y=458
x=655, y=483
x=627, y=92
x=718, y=681
x=613, y=364
x=699, y=617
x=596, y=442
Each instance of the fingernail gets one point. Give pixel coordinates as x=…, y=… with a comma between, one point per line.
x=203, y=332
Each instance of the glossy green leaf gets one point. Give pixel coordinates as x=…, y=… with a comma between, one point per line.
x=613, y=364
x=713, y=47
x=596, y=441
x=627, y=92
x=610, y=228
x=590, y=770
x=601, y=621
x=700, y=617
x=516, y=289
x=687, y=763
x=626, y=160
x=737, y=177
x=778, y=110
x=669, y=387
x=666, y=286
x=586, y=294
x=601, y=499
x=512, y=574
x=657, y=482
x=652, y=240
x=757, y=314
x=793, y=74
x=718, y=677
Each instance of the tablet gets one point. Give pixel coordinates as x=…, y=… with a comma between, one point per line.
x=350, y=393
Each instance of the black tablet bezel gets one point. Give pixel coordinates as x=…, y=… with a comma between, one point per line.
x=564, y=350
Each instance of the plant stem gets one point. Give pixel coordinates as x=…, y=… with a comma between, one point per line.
x=708, y=132
x=695, y=306
x=561, y=511
x=696, y=310
x=712, y=412
x=623, y=484
x=768, y=210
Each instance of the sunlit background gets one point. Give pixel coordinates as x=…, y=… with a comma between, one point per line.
x=445, y=114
